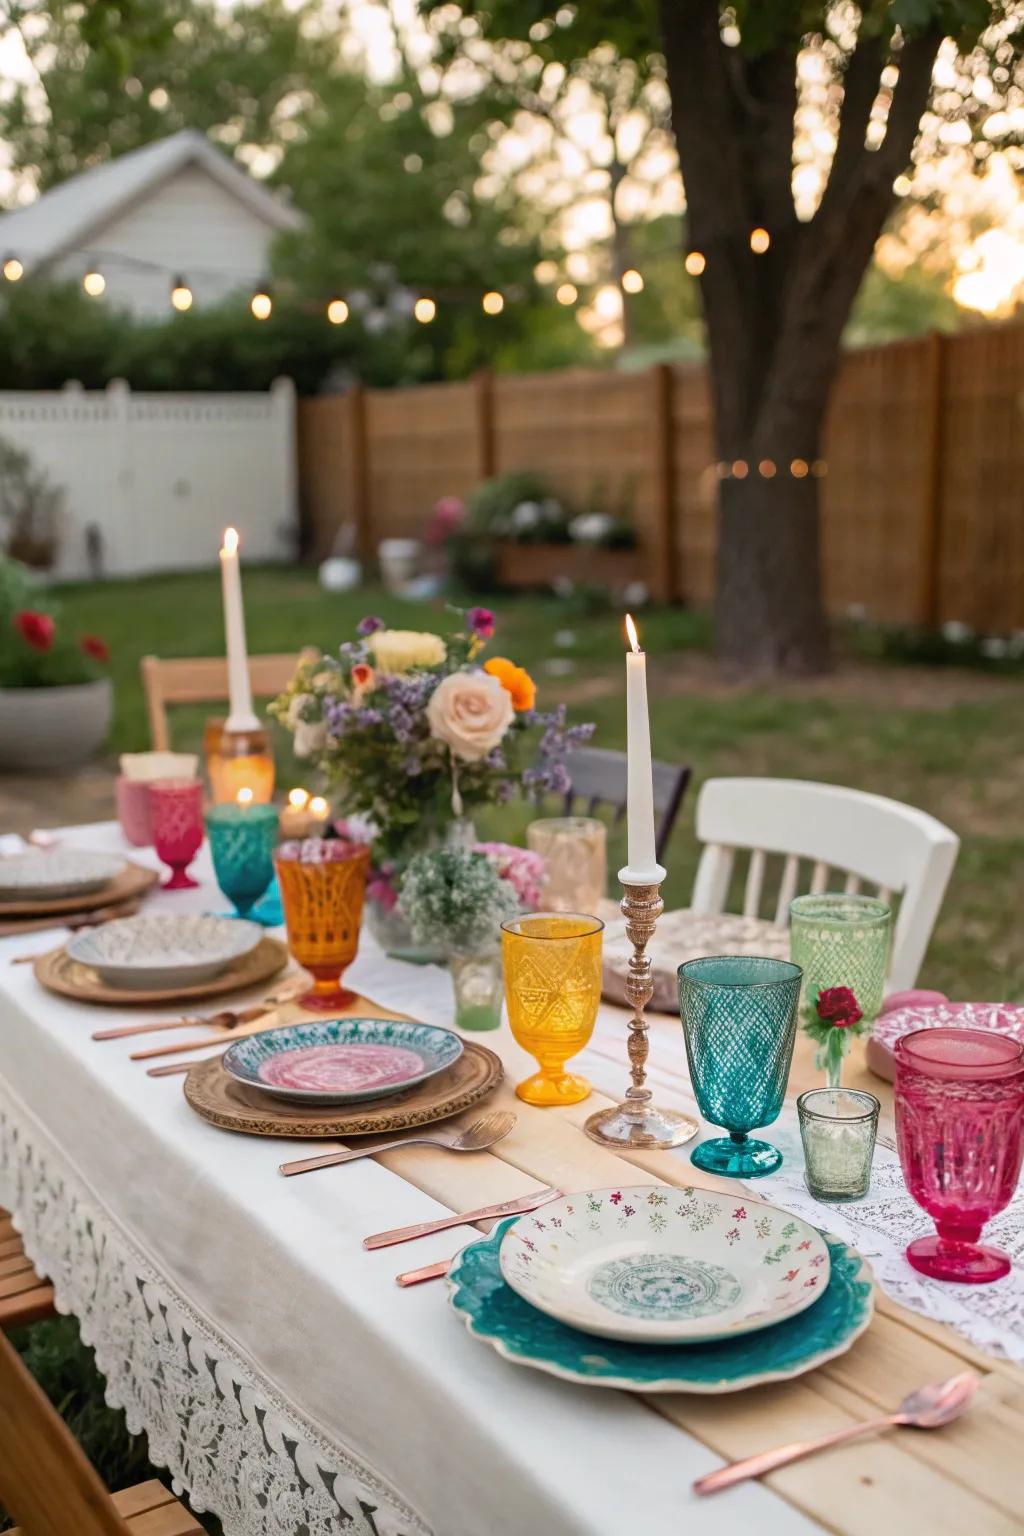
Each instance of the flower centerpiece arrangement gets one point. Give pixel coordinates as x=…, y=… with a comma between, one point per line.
x=832, y=1018
x=416, y=731
x=55, y=696
x=456, y=899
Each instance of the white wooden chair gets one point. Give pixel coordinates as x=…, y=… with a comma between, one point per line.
x=866, y=840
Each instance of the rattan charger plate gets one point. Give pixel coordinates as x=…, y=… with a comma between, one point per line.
x=129, y=884
x=59, y=973
x=234, y=1107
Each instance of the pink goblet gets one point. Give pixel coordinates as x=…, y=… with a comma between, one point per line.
x=176, y=810
x=960, y=1132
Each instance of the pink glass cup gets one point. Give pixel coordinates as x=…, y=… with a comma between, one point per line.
x=133, y=810
x=960, y=1132
x=176, y=811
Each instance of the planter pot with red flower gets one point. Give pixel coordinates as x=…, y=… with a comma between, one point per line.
x=48, y=728
x=55, y=702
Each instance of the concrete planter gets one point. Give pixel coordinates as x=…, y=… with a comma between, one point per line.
x=53, y=727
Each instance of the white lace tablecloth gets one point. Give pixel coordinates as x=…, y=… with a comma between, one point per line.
x=279, y=1373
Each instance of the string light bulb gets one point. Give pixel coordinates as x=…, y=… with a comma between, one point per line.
x=695, y=263
x=739, y=469
x=424, y=310
x=94, y=284
x=337, y=311
x=766, y=469
x=760, y=240
x=799, y=468
x=632, y=281
x=181, y=295
x=13, y=269
x=493, y=302
x=566, y=293
x=261, y=304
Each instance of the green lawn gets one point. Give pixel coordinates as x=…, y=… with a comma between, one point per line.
x=951, y=742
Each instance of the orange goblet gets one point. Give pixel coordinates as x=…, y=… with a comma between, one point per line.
x=323, y=881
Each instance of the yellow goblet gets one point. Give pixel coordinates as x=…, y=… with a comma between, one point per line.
x=552, y=988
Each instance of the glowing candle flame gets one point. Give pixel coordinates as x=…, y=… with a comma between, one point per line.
x=230, y=541
x=244, y=796
x=318, y=807
x=631, y=633
x=298, y=799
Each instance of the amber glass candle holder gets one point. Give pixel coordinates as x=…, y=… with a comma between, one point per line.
x=238, y=760
x=323, y=882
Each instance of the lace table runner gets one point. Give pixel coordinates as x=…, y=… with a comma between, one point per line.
x=989, y=1316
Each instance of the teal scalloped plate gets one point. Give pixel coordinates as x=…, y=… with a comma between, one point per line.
x=493, y=1312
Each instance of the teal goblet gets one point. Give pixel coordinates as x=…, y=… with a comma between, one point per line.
x=739, y=1017
x=242, y=842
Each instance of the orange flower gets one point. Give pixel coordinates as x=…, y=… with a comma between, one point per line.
x=515, y=680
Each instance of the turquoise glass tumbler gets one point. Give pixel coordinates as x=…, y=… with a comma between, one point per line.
x=242, y=842
x=739, y=1016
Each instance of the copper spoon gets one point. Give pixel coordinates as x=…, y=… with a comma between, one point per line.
x=927, y=1408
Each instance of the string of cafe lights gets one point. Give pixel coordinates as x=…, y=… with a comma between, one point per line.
x=337, y=310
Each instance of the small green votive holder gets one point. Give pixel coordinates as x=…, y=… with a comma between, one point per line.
x=479, y=989
x=838, y=1128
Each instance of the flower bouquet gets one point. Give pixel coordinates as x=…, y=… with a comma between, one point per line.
x=415, y=731
x=832, y=1017
x=456, y=899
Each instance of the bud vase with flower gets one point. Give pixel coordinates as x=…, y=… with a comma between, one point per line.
x=832, y=1018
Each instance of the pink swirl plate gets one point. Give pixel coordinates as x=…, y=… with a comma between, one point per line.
x=1000, y=1018
x=341, y=1061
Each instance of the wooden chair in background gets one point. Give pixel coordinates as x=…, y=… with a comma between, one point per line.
x=25, y=1297
x=203, y=680
x=599, y=776
x=47, y=1483
x=905, y=854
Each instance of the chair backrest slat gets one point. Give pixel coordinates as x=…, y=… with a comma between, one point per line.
x=852, y=839
x=46, y=1482
x=203, y=680
x=599, y=782
x=755, y=883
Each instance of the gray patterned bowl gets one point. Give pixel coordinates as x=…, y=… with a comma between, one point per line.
x=658, y=1265
x=163, y=951
x=341, y=1061
x=44, y=876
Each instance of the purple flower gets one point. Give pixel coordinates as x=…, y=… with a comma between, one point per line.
x=370, y=717
x=480, y=622
x=369, y=625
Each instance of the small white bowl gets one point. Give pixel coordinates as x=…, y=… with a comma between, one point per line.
x=158, y=952
x=652, y=1263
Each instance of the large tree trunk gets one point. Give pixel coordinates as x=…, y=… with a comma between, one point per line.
x=775, y=319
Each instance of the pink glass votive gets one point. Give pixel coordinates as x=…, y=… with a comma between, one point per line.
x=176, y=810
x=960, y=1133
x=133, y=810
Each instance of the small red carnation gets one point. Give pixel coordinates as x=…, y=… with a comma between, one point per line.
x=96, y=647
x=839, y=1006
x=35, y=628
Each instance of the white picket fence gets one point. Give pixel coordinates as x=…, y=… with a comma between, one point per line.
x=151, y=480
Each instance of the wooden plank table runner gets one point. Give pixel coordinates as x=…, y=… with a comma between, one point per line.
x=965, y=1477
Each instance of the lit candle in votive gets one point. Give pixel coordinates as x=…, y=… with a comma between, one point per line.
x=319, y=809
x=244, y=796
x=642, y=867
x=298, y=799
x=241, y=717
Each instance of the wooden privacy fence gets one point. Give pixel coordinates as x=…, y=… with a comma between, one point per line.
x=923, y=516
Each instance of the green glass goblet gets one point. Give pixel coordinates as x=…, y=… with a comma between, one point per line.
x=739, y=1016
x=242, y=841
x=843, y=941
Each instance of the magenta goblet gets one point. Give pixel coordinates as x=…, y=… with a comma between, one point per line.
x=960, y=1132
x=176, y=811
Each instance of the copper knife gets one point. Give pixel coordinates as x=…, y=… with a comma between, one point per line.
x=441, y=1224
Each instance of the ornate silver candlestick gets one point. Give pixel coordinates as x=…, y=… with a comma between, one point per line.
x=636, y=1122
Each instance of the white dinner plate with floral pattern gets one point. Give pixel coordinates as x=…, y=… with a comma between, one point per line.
x=163, y=951
x=44, y=876
x=650, y=1263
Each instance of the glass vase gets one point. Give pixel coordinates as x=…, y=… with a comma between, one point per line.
x=384, y=916
x=477, y=980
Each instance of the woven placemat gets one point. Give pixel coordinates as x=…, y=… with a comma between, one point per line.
x=234, y=1107
x=130, y=883
x=57, y=972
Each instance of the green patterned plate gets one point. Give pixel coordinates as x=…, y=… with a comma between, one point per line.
x=665, y=1266
x=492, y=1311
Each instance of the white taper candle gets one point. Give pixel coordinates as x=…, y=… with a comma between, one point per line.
x=241, y=716
x=642, y=867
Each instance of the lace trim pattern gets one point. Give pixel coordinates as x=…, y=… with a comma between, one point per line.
x=224, y=1435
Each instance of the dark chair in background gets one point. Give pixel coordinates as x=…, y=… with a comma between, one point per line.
x=599, y=782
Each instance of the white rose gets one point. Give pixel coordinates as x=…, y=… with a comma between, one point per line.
x=470, y=712
x=310, y=738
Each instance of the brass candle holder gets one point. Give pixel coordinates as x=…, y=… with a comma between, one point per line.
x=636, y=1122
